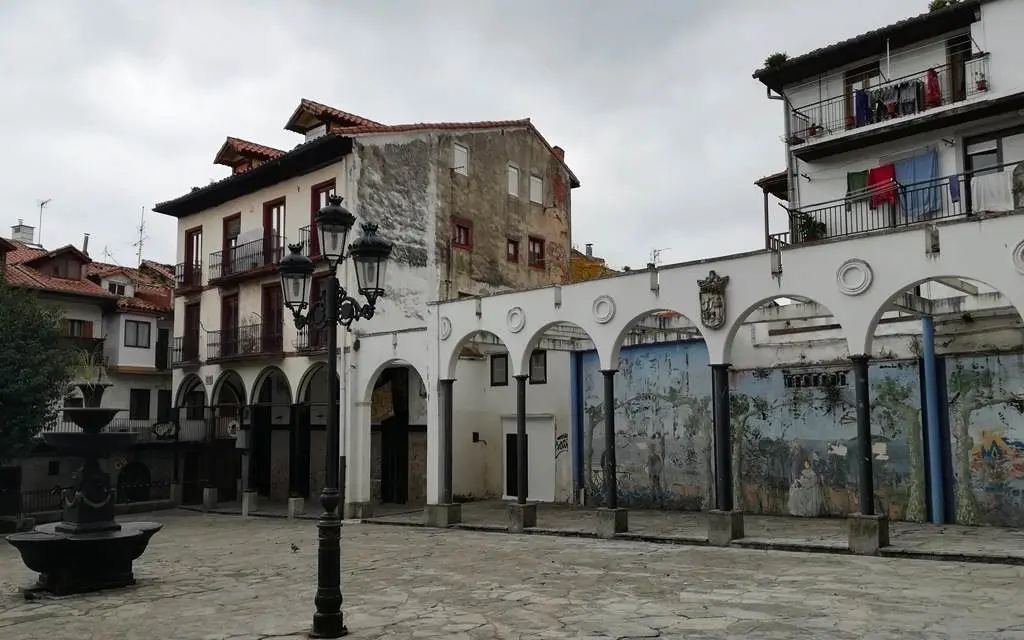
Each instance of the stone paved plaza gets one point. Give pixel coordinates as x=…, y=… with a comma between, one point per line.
x=219, y=576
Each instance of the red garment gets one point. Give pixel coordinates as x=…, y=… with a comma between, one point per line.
x=882, y=185
x=932, y=90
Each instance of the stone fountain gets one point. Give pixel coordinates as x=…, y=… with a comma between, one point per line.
x=87, y=550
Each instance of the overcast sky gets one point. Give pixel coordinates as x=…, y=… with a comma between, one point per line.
x=109, y=107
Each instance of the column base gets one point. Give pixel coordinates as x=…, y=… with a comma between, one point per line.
x=249, y=501
x=175, y=493
x=296, y=507
x=522, y=516
x=724, y=527
x=612, y=521
x=209, y=498
x=358, y=510
x=442, y=515
x=867, y=534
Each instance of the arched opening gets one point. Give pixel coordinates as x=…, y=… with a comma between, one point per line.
x=948, y=380
x=190, y=428
x=397, y=395
x=268, y=445
x=227, y=413
x=793, y=411
x=310, y=444
x=133, y=483
x=663, y=410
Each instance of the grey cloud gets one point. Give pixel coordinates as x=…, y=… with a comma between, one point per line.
x=111, y=105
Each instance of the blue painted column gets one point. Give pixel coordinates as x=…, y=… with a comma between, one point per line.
x=931, y=397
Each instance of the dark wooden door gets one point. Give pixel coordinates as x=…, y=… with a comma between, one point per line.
x=394, y=485
x=190, y=342
x=273, y=319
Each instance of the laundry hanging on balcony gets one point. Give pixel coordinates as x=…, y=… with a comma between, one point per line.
x=856, y=187
x=882, y=184
x=992, y=192
x=918, y=180
x=932, y=91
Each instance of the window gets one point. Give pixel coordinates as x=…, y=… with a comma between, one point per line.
x=536, y=190
x=138, y=404
x=273, y=231
x=499, y=370
x=513, y=180
x=136, y=334
x=984, y=157
x=539, y=367
x=462, y=235
x=460, y=159
x=536, y=255
x=116, y=288
x=512, y=253
x=318, y=200
x=77, y=328
x=194, y=401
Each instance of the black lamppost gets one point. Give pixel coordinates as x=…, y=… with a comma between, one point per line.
x=335, y=307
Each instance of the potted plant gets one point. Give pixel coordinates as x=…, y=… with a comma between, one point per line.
x=775, y=60
x=90, y=366
x=808, y=228
x=980, y=81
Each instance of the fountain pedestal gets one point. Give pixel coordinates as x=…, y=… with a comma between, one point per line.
x=88, y=549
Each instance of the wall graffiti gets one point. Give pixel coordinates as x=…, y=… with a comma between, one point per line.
x=794, y=446
x=561, y=444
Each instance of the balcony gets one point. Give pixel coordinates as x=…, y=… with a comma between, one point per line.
x=895, y=206
x=188, y=276
x=246, y=260
x=311, y=340
x=308, y=250
x=117, y=425
x=80, y=343
x=185, y=351
x=893, y=109
x=244, y=341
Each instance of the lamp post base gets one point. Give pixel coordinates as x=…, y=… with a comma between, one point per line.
x=328, y=625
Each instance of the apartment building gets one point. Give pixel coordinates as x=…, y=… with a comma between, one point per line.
x=470, y=208
x=121, y=317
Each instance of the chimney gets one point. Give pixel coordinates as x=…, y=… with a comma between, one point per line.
x=85, y=244
x=590, y=249
x=559, y=152
x=23, y=233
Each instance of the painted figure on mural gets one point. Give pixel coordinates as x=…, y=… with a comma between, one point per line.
x=712, y=300
x=655, y=464
x=806, y=495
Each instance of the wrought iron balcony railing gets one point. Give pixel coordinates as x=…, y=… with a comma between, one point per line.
x=890, y=101
x=247, y=257
x=311, y=339
x=185, y=350
x=309, y=247
x=188, y=275
x=255, y=339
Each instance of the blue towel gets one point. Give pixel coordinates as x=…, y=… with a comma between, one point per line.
x=861, y=107
x=919, y=191
x=954, y=188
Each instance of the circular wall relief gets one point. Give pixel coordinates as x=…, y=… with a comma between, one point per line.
x=1018, y=257
x=516, y=319
x=446, y=328
x=854, y=277
x=603, y=309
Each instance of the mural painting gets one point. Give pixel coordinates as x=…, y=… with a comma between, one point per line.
x=794, y=435
x=986, y=402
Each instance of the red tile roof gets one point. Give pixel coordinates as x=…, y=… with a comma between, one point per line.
x=240, y=147
x=5, y=245
x=324, y=112
x=151, y=296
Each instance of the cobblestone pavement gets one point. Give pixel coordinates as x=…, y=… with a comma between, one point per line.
x=223, y=577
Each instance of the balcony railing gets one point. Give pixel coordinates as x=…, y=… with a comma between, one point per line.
x=893, y=205
x=259, y=338
x=306, y=238
x=117, y=425
x=311, y=339
x=79, y=343
x=185, y=350
x=890, y=101
x=244, y=258
x=188, y=275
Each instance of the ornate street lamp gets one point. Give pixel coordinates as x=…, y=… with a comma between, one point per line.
x=336, y=307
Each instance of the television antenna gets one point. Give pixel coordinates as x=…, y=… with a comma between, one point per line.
x=656, y=254
x=138, y=244
x=39, y=230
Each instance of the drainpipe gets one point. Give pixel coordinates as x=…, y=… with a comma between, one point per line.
x=767, y=229
x=931, y=393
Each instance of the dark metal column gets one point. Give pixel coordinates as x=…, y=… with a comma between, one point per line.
x=723, y=436
x=866, y=480
x=447, y=401
x=611, y=478
x=328, y=621
x=522, y=486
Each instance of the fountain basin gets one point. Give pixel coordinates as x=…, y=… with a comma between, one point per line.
x=70, y=563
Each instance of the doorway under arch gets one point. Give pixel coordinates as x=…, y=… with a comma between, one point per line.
x=269, y=443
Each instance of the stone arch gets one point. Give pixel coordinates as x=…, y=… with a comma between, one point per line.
x=308, y=381
x=272, y=375
x=534, y=341
x=229, y=389
x=763, y=303
x=371, y=380
x=448, y=372
x=868, y=336
x=611, y=359
x=190, y=383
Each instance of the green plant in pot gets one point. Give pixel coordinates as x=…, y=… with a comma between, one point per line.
x=89, y=369
x=808, y=228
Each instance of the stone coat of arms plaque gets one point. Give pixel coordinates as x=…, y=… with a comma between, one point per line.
x=712, y=300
